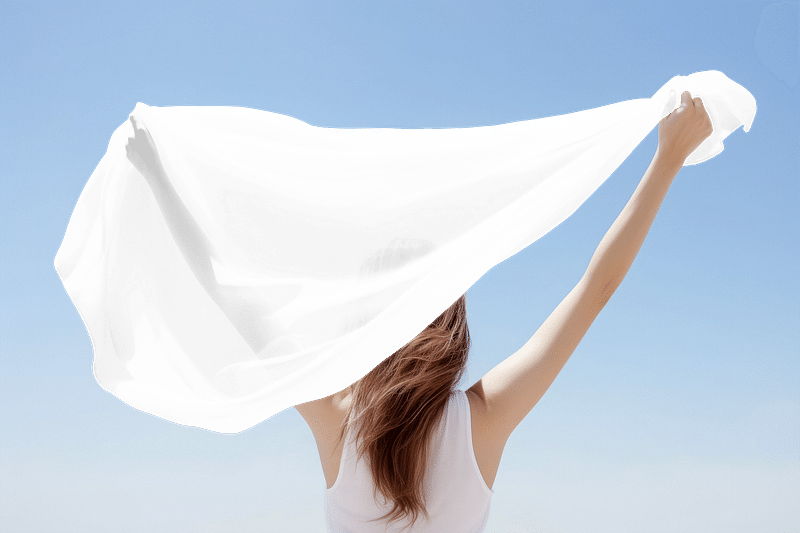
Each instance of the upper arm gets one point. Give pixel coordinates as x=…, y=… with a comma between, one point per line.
x=511, y=389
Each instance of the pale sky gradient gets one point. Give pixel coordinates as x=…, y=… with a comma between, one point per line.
x=680, y=409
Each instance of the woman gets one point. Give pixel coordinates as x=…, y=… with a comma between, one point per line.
x=406, y=417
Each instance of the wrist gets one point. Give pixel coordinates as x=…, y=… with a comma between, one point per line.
x=669, y=158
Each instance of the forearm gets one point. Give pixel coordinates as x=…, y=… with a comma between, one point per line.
x=619, y=247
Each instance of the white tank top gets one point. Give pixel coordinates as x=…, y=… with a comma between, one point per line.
x=457, y=498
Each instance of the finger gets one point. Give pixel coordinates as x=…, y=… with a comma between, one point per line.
x=686, y=98
x=700, y=104
x=703, y=115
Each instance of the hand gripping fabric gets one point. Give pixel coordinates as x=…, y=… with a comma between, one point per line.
x=275, y=262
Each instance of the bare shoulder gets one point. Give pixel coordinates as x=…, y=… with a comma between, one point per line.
x=477, y=402
x=325, y=414
x=487, y=442
x=485, y=432
x=325, y=418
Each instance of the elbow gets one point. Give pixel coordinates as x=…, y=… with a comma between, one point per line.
x=605, y=293
x=600, y=289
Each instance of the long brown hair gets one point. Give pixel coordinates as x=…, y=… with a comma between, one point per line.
x=398, y=404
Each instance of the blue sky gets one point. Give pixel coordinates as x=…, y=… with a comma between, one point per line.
x=680, y=409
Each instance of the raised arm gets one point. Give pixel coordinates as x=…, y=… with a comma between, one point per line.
x=508, y=392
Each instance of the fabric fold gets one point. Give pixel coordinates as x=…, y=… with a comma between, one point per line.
x=276, y=262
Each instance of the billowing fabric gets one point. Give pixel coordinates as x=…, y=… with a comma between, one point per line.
x=279, y=262
x=456, y=495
